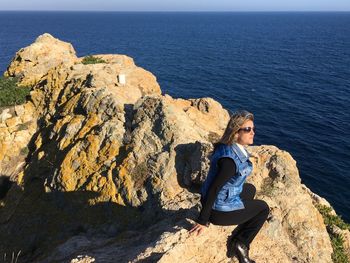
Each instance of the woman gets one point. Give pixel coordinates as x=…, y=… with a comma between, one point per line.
x=226, y=198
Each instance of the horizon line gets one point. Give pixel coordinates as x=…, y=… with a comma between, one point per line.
x=185, y=11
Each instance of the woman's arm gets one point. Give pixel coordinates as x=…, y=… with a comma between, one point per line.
x=227, y=169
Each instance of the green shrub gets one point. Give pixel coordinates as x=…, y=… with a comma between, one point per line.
x=92, y=60
x=338, y=255
x=10, y=93
x=330, y=219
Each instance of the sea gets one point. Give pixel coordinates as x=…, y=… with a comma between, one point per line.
x=291, y=69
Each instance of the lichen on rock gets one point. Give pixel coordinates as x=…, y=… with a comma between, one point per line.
x=113, y=170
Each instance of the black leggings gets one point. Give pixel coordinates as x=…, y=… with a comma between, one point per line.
x=249, y=220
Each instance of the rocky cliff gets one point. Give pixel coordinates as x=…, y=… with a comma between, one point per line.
x=112, y=168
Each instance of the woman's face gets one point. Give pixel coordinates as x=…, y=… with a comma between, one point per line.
x=246, y=137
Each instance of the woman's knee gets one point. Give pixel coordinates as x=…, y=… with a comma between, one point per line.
x=249, y=191
x=264, y=207
x=251, y=188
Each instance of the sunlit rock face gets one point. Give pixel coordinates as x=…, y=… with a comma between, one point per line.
x=31, y=63
x=113, y=169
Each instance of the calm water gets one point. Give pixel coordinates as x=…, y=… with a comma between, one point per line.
x=291, y=69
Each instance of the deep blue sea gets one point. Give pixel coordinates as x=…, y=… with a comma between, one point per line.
x=292, y=70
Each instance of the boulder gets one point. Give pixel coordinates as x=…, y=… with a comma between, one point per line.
x=114, y=166
x=31, y=63
x=16, y=131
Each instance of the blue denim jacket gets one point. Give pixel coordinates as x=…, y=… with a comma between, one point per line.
x=228, y=198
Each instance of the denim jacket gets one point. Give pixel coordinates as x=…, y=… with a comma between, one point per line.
x=228, y=198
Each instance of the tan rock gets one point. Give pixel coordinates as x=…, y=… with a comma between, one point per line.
x=110, y=157
x=19, y=110
x=15, y=135
x=346, y=237
x=82, y=259
x=28, y=114
x=294, y=233
x=5, y=115
x=11, y=122
x=33, y=62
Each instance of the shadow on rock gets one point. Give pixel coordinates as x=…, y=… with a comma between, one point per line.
x=38, y=224
x=34, y=222
x=5, y=185
x=37, y=221
x=192, y=164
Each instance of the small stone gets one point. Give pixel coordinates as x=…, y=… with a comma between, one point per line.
x=13, y=121
x=5, y=115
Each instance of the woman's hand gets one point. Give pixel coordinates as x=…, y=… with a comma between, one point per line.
x=197, y=228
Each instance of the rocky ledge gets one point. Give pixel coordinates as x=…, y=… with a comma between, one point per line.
x=113, y=166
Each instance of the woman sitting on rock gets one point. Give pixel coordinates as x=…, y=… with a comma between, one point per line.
x=226, y=198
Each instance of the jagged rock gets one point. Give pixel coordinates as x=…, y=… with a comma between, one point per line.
x=33, y=62
x=346, y=236
x=294, y=231
x=15, y=133
x=5, y=115
x=113, y=173
x=65, y=86
x=83, y=259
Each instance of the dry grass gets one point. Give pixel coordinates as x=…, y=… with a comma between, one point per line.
x=13, y=258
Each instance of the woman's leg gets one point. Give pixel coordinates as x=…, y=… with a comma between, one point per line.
x=249, y=220
x=250, y=228
x=248, y=192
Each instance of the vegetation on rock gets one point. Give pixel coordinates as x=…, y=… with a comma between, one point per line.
x=92, y=60
x=339, y=254
x=10, y=93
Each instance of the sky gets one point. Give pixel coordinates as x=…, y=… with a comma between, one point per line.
x=177, y=5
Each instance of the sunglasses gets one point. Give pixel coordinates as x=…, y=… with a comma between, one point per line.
x=247, y=129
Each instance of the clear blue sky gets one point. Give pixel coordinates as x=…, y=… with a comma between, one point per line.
x=178, y=5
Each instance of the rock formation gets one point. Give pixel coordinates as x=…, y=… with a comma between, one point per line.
x=31, y=63
x=17, y=126
x=113, y=170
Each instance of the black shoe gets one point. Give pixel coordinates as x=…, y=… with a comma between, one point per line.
x=241, y=252
x=230, y=248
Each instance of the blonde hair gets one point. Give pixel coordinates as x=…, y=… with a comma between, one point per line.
x=236, y=121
